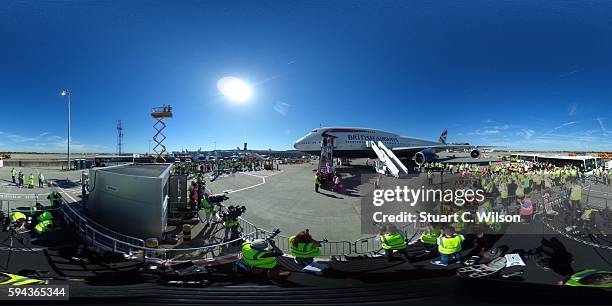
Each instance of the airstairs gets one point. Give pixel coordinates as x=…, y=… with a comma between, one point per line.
x=387, y=160
x=326, y=161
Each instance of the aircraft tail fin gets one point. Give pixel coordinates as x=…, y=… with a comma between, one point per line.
x=442, y=139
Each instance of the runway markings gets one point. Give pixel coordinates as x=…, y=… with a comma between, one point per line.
x=66, y=193
x=263, y=181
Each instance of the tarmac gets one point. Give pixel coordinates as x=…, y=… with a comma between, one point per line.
x=12, y=195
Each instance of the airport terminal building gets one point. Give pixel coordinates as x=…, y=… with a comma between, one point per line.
x=131, y=199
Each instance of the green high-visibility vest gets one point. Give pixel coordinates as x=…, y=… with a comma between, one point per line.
x=450, y=245
x=42, y=227
x=429, y=238
x=303, y=250
x=393, y=242
x=45, y=216
x=576, y=193
x=503, y=189
x=230, y=223
x=206, y=206
x=31, y=180
x=520, y=191
x=253, y=257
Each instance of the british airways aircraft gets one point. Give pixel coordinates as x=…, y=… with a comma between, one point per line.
x=351, y=143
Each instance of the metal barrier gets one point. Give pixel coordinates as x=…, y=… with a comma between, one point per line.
x=99, y=235
x=330, y=248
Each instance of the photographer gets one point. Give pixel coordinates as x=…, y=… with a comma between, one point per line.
x=392, y=239
x=260, y=255
x=19, y=220
x=207, y=208
x=230, y=222
x=304, y=248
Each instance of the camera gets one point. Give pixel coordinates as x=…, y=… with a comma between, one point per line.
x=233, y=212
x=217, y=198
x=272, y=235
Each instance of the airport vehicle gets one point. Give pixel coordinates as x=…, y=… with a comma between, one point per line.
x=359, y=142
x=581, y=161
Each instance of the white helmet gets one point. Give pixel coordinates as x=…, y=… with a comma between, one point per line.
x=259, y=244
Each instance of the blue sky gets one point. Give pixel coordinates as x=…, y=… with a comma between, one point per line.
x=523, y=74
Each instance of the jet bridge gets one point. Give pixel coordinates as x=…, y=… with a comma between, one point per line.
x=387, y=160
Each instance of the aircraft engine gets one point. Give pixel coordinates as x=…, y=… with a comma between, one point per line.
x=425, y=156
x=475, y=154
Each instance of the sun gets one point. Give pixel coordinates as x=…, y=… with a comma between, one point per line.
x=234, y=89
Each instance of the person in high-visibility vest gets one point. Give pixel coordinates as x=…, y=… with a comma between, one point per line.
x=41, y=180
x=503, y=191
x=576, y=194
x=31, y=181
x=43, y=227
x=46, y=215
x=55, y=198
x=207, y=208
x=429, y=236
x=19, y=219
x=317, y=181
x=449, y=247
x=260, y=255
x=304, y=247
x=20, y=177
x=392, y=239
x=13, y=175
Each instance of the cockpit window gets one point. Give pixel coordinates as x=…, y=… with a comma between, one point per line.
x=314, y=131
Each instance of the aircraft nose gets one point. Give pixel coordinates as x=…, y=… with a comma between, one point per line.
x=298, y=144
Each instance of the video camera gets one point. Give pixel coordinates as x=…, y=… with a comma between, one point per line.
x=232, y=212
x=217, y=198
x=272, y=235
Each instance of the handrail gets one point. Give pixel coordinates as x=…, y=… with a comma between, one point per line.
x=88, y=221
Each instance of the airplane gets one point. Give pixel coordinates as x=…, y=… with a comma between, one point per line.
x=350, y=142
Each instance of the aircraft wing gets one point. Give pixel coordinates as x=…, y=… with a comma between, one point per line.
x=403, y=151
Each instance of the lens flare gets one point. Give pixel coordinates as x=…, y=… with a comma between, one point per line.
x=234, y=89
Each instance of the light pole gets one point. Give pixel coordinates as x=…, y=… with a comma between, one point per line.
x=68, y=92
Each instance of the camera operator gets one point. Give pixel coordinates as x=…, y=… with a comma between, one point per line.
x=260, y=256
x=19, y=220
x=207, y=209
x=304, y=247
x=230, y=222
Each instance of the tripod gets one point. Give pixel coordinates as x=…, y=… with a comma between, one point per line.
x=11, y=238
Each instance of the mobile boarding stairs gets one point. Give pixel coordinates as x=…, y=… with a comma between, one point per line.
x=387, y=162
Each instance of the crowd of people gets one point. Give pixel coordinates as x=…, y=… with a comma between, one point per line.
x=39, y=218
x=18, y=178
x=331, y=181
x=227, y=165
